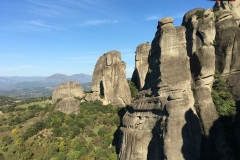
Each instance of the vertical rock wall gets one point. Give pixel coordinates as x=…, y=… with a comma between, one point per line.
x=109, y=79
x=67, y=89
x=141, y=65
x=163, y=110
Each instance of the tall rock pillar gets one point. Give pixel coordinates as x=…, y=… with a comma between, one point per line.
x=109, y=79
x=141, y=65
x=162, y=122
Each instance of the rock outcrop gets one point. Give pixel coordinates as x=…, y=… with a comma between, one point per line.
x=109, y=79
x=173, y=116
x=68, y=105
x=141, y=65
x=67, y=89
x=162, y=122
x=233, y=7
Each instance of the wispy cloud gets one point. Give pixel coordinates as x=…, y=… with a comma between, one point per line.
x=178, y=16
x=82, y=59
x=40, y=24
x=21, y=67
x=37, y=26
x=99, y=22
x=153, y=17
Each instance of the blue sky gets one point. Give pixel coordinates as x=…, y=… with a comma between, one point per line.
x=43, y=37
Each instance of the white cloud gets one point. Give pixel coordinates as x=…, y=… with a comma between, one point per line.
x=18, y=67
x=153, y=17
x=178, y=16
x=99, y=22
x=38, y=25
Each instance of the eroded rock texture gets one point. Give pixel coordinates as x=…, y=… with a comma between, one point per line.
x=141, y=65
x=68, y=105
x=68, y=89
x=162, y=122
x=202, y=57
x=109, y=79
x=228, y=59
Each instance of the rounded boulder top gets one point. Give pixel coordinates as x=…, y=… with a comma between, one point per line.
x=165, y=20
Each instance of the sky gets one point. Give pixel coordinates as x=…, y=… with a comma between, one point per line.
x=44, y=37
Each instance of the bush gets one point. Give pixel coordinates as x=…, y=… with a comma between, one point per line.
x=200, y=13
x=222, y=98
x=34, y=129
x=133, y=89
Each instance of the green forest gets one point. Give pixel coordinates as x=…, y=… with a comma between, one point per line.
x=34, y=130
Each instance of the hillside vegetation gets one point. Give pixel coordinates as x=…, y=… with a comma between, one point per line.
x=34, y=130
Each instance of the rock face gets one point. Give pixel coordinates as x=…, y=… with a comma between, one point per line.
x=162, y=122
x=173, y=116
x=233, y=7
x=227, y=53
x=68, y=89
x=141, y=65
x=109, y=79
x=228, y=57
x=68, y=105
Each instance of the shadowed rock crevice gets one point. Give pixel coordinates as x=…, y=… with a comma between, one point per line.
x=190, y=148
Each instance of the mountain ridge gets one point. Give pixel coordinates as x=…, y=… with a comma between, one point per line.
x=18, y=82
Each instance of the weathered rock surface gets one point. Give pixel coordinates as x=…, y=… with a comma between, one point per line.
x=141, y=65
x=228, y=55
x=109, y=79
x=178, y=123
x=68, y=89
x=163, y=110
x=202, y=58
x=68, y=105
x=233, y=7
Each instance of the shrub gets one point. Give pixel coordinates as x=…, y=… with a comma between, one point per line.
x=34, y=129
x=133, y=89
x=200, y=13
x=222, y=98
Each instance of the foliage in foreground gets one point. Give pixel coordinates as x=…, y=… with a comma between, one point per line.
x=49, y=134
x=226, y=109
x=133, y=89
x=222, y=98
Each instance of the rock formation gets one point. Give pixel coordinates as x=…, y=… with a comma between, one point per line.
x=141, y=65
x=68, y=89
x=162, y=122
x=109, y=79
x=173, y=116
x=228, y=57
x=68, y=105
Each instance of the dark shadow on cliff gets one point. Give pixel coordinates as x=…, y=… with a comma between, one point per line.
x=191, y=134
x=195, y=66
x=101, y=89
x=214, y=146
x=117, y=134
x=237, y=132
x=220, y=142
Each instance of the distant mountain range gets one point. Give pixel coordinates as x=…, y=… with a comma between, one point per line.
x=36, y=86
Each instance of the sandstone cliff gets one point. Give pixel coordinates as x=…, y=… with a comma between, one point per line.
x=162, y=122
x=67, y=89
x=173, y=116
x=141, y=65
x=109, y=79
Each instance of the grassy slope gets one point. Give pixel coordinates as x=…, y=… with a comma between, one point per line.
x=45, y=144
